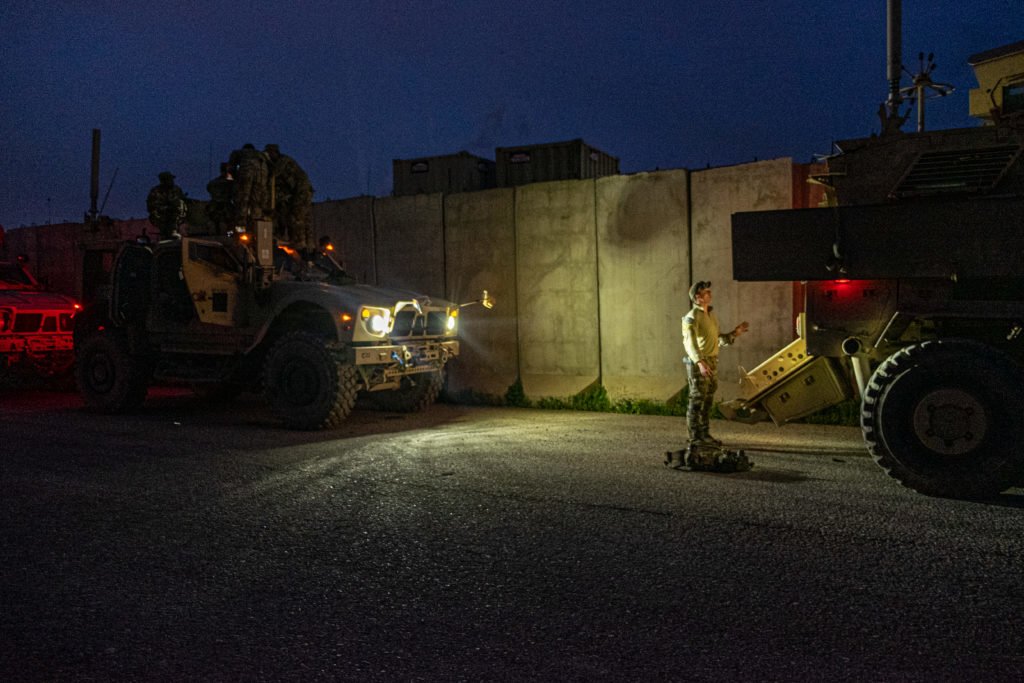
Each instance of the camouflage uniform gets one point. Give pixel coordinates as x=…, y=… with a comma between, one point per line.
x=221, y=209
x=702, y=339
x=166, y=206
x=293, y=199
x=250, y=169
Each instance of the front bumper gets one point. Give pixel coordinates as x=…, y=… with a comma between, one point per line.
x=407, y=359
x=35, y=344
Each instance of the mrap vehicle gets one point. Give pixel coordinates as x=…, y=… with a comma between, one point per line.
x=913, y=280
x=224, y=314
x=35, y=325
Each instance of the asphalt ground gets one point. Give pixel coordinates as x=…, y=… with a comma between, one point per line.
x=196, y=541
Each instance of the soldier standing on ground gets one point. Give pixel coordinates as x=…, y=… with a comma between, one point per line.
x=166, y=206
x=702, y=340
x=250, y=170
x=221, y=209
x=293, y=199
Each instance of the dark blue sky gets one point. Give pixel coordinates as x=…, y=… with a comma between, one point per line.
x=345, y=86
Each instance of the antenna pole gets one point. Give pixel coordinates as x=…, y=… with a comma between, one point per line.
x=894, y=49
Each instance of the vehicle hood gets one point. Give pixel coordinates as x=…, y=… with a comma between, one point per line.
x=354, y=296
x=28, y=299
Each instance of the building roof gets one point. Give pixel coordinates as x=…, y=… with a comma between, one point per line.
x=995, y=53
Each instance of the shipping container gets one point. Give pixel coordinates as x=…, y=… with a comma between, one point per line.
x=460, y=172
x=570, y=160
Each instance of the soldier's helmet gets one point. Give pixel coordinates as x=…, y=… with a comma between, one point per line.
x=166, y=175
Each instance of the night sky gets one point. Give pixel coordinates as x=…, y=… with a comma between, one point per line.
x=348, y=85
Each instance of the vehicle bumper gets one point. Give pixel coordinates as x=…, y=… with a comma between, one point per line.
x=35, y=345
x=408, y=358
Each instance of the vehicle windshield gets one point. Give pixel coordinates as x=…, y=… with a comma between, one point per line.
x=12, y=276
x=317, y=266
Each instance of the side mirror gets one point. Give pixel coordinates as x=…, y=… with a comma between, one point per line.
x=486, y=300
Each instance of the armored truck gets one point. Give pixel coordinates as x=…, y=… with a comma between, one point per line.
x=913, y=283
x=245, y=312
x=35, y=325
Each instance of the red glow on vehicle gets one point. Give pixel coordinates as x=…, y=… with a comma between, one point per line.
x=842, y=282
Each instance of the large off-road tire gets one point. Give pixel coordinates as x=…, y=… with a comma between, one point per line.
x=415, y=394
x=943, y=418
x=110, y=378
x=306, y=385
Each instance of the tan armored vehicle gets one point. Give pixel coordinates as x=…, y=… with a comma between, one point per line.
x=914, y=294
x=226, y=314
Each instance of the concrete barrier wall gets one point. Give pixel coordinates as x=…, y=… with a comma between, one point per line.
x=54, y=251
x=51, y=253
x=410, y=243
x=590, y=276
x=643, y=256
x=349, y=224
x=556, y=276
x=717, y=193
x=480, y=252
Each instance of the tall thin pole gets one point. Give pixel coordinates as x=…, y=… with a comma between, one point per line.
x=94, y=176
x=894, y=50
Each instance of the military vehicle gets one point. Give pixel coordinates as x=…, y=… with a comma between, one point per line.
x=226, y=314
x=913, y=281
x=245, y=311
x=35, y=325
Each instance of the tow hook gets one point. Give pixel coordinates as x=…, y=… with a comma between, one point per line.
x=403, y=358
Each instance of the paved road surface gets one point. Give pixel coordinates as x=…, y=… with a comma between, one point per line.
x=198, y=542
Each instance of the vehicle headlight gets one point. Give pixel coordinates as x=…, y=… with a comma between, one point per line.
x=377, y=321
x=452, y=323
x=6, y=319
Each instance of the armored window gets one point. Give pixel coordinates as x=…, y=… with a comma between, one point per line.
x=1013, y=98
x=213, y=254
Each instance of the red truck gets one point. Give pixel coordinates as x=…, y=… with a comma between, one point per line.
x=36, y=326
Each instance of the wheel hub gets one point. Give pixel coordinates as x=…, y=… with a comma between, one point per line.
x=100, y=373
x=300, y=384
x=950, y=421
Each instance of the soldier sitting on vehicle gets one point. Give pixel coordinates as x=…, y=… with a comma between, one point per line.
x=166, y=206
x=221, y=209
x=293, y=199
x=249, y=168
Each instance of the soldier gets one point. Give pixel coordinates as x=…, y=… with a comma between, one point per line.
x=701, y=340
x=249, y=168
x=221, y=209
x=293, y=199
x=166, y=206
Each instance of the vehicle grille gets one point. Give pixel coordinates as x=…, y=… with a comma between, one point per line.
x=408, y=323
x=964, y=170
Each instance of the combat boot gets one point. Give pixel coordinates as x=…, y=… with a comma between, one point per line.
x=703, y=438
x=706, y=438
x=675, y=459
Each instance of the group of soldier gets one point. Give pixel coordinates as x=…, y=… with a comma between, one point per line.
x=252, y=185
